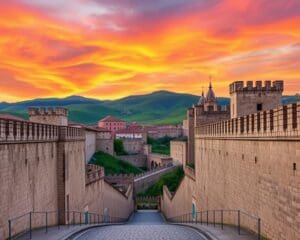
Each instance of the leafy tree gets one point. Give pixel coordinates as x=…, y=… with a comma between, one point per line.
x=119, y=147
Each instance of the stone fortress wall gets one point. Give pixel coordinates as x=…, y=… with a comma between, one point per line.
x=105, y=145
x=178, y=151
x=249, y=163
x=43, y=168
x=133, y=146
x=90, y=145
x=145, y=180
x=257, y=157
x=180, y=202
x=138, y=160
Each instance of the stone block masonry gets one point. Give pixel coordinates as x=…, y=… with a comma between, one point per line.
x=178, y=151
x=251, y=163
x=250, y=99
x=138, y=160
x=42, y=168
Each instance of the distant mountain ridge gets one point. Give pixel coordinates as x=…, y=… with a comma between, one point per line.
x=161, y=107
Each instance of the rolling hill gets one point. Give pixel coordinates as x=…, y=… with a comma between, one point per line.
x=160, y=107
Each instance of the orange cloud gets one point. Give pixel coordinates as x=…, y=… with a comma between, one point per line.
x=103, y=50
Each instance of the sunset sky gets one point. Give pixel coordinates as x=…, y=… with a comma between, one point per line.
x=108, y=49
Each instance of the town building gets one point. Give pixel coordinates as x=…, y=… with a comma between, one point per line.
x=112, y=123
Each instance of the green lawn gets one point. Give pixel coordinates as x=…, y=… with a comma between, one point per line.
x=172, y=180
x=113, y=165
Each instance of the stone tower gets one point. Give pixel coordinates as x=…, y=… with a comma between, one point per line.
x=206, y=111
x=210, y=102
x=245, y=100
x=53, y=116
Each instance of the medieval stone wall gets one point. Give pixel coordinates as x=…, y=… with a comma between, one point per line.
x=74, y=175
x=145, y=180
x=254, y=176
x=178, y=150
x=105, y=145
x=90, y=144
x=158, y=160
x=138, y=160
x=251, y=163
x=117, y=203
x=133, y=146
x=180, y=202
x=42, y=168
x=28, y=181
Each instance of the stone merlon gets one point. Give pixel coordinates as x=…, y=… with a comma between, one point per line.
x=239, y=86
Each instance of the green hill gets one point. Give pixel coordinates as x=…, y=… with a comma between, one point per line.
x=160, y=107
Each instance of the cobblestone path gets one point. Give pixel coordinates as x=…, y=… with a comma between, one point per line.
x=145, y=225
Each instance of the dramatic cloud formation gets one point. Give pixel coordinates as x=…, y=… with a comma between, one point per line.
x=109, y=49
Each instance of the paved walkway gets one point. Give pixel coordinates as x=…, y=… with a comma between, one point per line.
x=145, y=225
x=228, y=233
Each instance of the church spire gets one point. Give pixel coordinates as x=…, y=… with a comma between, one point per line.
x=210, y=96
x=202, y=98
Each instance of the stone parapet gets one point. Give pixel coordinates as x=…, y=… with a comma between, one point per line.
x=282, y=122
x=24, y=131
x=239, y=86
x=32, y=111
x=190, y=172
x=93, y=173
x=71, y=133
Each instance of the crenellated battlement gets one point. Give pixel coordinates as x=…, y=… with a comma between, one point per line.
x=58, y=111
x=54, y=116
x=120, y=178
x=282, y=122
x=93, y=173
x=25, y=131
x=250, y=86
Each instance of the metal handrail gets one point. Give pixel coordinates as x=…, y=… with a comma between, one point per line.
x=204, y=219
x=71, y=218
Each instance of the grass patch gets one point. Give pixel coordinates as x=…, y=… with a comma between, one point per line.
x=160, y=145
x=172, y=180
x=113, y=165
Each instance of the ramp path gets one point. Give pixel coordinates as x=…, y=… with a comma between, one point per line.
x=145, y=225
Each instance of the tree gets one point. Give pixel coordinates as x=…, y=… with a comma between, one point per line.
x=119, y=147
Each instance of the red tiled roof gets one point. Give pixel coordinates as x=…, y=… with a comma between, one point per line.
x=130, y=130
x=89, y=127
x=111, y=119
x=101, y=129
x=11, y=117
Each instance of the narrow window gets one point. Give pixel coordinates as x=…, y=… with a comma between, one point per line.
x=285, y=118
x=259, y=107
x=68, y=207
